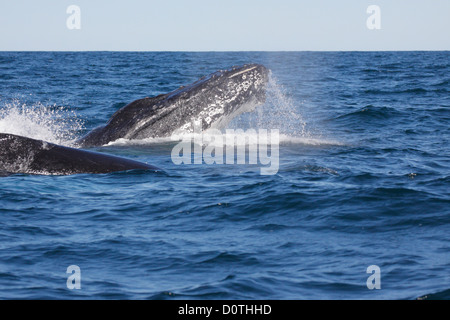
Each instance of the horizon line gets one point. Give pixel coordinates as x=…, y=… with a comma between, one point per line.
x=231, y=51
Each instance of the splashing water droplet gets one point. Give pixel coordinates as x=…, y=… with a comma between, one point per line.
x=49, y=123
x=279, y=112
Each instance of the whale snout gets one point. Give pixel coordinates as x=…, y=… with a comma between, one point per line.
x=254, y=76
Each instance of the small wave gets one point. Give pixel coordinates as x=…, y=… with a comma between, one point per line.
x=371, y=111
x=442, y=83
x=6, y=77
x=389, y=92
x=284, y=139
x=53, y=124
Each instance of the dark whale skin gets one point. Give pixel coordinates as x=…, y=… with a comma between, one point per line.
x=24, y=155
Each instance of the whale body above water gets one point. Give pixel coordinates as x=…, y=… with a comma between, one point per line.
x=210, y=102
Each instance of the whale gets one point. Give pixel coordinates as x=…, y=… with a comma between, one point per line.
x=210, y=102
x=29, y=156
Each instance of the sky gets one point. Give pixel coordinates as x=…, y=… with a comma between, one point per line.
x=231, y=25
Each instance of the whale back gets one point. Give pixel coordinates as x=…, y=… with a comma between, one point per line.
x=24, y=155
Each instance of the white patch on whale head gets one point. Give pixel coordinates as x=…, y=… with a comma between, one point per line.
x=244, y=71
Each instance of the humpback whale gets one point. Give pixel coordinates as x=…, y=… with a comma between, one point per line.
x=210, y=102
x=24, y=155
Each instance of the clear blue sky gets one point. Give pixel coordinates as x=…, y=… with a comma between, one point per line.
x=231, y=25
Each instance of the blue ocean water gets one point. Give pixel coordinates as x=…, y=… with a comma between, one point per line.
x=363, y=180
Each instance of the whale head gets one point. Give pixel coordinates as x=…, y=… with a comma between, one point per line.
x=210, y=102
x=224, y=95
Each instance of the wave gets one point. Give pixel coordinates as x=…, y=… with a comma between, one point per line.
x=371, y=111
x=418, y=90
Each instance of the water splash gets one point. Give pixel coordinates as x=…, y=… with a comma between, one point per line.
x=243, y=139
x=53, y=124
x=279, y=112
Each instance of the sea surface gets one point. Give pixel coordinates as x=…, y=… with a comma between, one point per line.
x=363, y=180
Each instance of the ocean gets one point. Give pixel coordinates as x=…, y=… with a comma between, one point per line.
x=359, y=207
